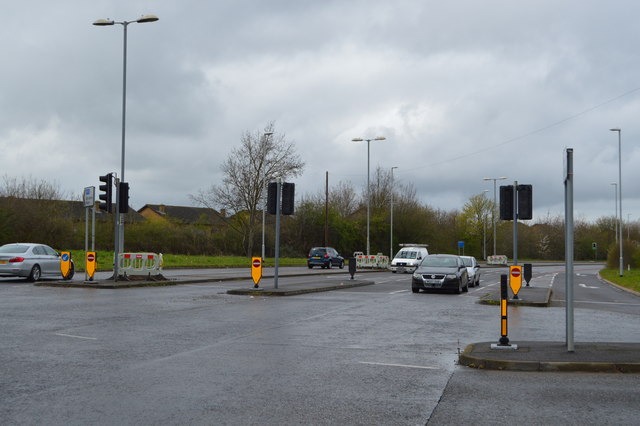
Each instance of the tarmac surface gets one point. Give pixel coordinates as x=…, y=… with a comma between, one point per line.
x=519, y=356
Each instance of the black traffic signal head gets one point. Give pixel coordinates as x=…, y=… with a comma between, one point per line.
x=506, y=202
x=272, y=195
x=123, y=197
x=288, y=197
x=106, y=192
x=525, y=202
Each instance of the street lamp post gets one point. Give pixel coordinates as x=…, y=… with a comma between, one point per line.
x=484, y=229
x=379, y=138
x=119, y=246
x=493, y=209
x=391, y=229
x=620, y=194
x=264, y=207
x=615, y=195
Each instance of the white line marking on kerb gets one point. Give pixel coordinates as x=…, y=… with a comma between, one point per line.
x=76, y=337
x=398, y=291
x=399, y=365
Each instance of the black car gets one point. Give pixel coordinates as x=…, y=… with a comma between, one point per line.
x=325, y=257
x=441, y=272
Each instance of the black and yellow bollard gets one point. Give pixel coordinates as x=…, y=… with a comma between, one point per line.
x=503, y=343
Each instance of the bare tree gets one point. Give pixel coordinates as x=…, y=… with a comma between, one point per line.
x=30, y=188
x=262, y=157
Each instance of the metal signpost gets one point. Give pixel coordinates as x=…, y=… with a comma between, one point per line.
x=568, y=246
x=89, y=201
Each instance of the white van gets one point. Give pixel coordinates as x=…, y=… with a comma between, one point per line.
x=408, y=258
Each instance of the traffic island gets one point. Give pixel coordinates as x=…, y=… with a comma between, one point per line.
x=527, y=296
x=554, y=357
x=299, y=288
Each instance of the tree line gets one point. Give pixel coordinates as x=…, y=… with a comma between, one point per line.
x=31, y=211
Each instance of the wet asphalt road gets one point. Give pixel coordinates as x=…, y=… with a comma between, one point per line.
x=192, y=354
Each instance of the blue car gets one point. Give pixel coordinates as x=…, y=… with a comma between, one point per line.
x=325, y=257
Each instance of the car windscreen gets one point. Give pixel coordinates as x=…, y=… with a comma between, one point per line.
x=406, y=254
x=439, y=262
x=14, y=248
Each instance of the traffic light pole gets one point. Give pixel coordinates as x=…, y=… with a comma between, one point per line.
x=515, y=222
x=277, y=251
x=116, y=250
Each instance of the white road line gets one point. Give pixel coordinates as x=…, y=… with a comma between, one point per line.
x=76, y=337
x=398, y=291
x=399, y=365
x=598, y=303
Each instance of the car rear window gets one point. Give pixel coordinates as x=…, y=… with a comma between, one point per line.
x=443, y=262
x=317, y=252
x=14, y=248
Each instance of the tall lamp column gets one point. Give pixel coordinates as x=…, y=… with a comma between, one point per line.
x=379, y=138
x=119, y=245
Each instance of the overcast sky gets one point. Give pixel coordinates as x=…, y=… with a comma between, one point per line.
x=461, y=90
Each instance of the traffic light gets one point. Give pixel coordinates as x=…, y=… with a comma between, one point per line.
x=525, y=202
x=123, y=198
x=105, y=192
x=288, y=198
x=506, y=202
x=272, y=195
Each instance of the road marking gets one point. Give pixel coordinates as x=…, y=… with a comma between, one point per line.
x=398, y=291
x=598, y=303
x=76, y=337
x=400, y=365
x=587, y=286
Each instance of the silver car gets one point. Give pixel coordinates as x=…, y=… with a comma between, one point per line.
x=473, y=269
x=31, y=261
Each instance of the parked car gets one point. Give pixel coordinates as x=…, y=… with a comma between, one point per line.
x=408, y=258
x=473, y=269
x=441, y=272
x=325, y=257
x=31, y=261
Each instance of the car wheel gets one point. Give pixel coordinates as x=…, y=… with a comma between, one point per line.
x=35, y=273
x=341, y=264
x=394, y=271
x=415, y=290
x=478, y=283
x=71, y=273
x=310, y=266
x=466, y=287
x=330, y=264
x=459, y=289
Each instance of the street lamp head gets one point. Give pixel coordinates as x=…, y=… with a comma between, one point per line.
x=357, y=140
x=380, y=138
x=615, y=130
x=103, y=22
x=268, y=133
x=147, y=18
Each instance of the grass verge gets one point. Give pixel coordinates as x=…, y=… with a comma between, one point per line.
x=631, y=279
x=105, y=261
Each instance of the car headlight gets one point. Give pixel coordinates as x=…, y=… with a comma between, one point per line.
x=417, y=276
x=452, y=276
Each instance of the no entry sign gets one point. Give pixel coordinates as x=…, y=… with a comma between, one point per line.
x=91, y=264
x=515, y=279
x=256, y=270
